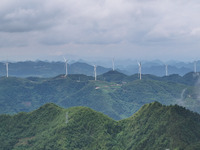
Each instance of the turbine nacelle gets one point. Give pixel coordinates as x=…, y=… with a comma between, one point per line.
x=139, y=64
x=66, y=60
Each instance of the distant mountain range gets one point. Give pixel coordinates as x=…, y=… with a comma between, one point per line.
x=48, y=69
x=153, y=127
x=51, y=69
x=114, y=94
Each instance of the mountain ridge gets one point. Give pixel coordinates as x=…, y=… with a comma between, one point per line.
x=154, y=126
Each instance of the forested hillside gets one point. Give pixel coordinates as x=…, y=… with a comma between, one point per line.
x=51, y=127
x=114, y=93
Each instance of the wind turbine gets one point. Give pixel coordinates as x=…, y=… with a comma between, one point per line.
x=166, y=70
x=66, y=72
x=140, y=69
x=113, y=64
x=6, y=69
x=95, y=72
x=195, y=66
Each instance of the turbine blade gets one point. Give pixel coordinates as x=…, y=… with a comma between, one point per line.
x=64, y=58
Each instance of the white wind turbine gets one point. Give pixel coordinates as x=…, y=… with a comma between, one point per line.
x=66, y=71
x=95, y=72
x=166, y=70
x=113, y=64
x=195, y=66
x=6, y=69
x=140, y=69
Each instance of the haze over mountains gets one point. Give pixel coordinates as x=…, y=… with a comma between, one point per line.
x=51, y=69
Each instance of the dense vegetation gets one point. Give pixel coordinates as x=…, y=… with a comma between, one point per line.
x=51, y=127
x=114, y=94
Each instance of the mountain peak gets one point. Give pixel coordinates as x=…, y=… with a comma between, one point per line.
x=155, y=126
x=112, y=76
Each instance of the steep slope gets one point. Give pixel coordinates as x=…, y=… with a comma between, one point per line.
x=50, y=127
x=26, y=94
x=148, y=90
x=137, y=93
x=19, y=129
x=190, y=78
x=161, y=127
x=95, y=95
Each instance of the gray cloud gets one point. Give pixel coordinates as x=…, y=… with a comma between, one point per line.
x=26, y=16
x=100, y=24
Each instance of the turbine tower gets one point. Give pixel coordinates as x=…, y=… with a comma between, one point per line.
x=66, y=72
x=195, y=66
x=113, y=64
x=166, y=70
x=140, y=69
x=95, y=72
x=6, y=69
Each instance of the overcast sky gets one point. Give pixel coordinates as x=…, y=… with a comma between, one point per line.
x=137, y=29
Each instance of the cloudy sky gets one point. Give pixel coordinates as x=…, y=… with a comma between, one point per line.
x=124, y=29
